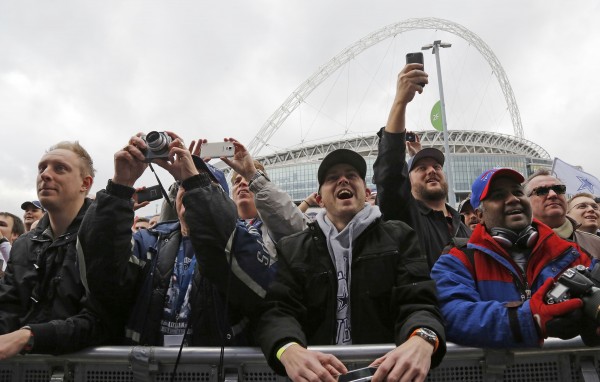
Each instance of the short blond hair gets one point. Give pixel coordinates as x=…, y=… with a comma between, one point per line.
x=579, y=195
x=87, y=164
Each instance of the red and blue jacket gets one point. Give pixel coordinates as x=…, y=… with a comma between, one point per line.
x=485, y=298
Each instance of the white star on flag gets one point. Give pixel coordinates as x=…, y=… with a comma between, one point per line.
x=575, y=179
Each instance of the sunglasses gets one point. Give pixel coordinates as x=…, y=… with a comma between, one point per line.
x=558, y=189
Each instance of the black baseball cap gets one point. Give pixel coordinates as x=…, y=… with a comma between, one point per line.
x=463, y=205
x=428, y=152
x=342, y=156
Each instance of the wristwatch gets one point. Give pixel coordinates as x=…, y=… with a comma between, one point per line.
x=3, y=240
x=428, y=335
x=29, y=345
x=257, y=175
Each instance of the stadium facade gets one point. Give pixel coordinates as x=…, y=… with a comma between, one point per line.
x=295, y=170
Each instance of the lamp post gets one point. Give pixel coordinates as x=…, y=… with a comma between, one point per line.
x=436, y=50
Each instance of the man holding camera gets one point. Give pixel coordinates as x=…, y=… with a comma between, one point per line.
x=493, y=292
x=414, y=193
x=154, y=287
x=350, y=278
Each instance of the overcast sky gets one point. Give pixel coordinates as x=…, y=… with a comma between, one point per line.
x=99, y=72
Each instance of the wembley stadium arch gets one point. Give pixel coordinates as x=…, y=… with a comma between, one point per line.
x=306, y=88
x=294, y=170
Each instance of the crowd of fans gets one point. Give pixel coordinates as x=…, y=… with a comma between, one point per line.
x=248, y=267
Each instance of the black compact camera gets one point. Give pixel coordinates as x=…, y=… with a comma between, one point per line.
x=411, y=137
x=158, y=145
x=578, y=282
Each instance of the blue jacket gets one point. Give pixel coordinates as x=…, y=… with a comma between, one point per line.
x=474, y=296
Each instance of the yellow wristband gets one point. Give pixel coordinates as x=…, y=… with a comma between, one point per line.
x=284, y=348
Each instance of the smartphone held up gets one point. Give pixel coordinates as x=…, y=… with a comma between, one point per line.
x=416, y=58
x=217, y=150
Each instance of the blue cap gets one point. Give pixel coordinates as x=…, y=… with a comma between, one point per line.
x=215, y=174
x=481, y=185
x=35, y=203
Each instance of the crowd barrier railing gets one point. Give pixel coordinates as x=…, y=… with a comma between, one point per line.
x=556, y=361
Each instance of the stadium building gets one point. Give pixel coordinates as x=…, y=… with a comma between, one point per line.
x=295, y=170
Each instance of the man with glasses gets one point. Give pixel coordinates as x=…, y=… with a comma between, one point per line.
x=549, y=205
x=492, y=291
x=585, y=211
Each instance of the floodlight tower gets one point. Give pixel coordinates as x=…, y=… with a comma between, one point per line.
x=436, y=50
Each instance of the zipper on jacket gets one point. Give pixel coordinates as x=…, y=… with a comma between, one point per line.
x=522, y=285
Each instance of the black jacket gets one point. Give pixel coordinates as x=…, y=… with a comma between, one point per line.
x=43, y=289
x=131, y=281
x=391, y=293
x=395, y=199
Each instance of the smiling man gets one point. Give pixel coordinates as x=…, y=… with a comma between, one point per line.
x=33, y=212
x=351, y=278
x=585, y=211
x=414, y=193
x=549, y=205
x=492, y=292
x=45, y=308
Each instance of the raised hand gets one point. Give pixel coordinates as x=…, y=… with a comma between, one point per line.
x=180, y=163
x=129, y=161
x=242, y=162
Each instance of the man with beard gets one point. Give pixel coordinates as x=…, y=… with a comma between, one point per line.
x=468, y=213
x=549, y=205
x=493, y=291
x=422, y=206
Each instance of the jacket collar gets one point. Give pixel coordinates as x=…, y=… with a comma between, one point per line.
x=456, y=222
x=44, y=232
x=548, y=244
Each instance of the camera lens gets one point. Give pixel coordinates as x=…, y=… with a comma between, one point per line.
x=158, y=142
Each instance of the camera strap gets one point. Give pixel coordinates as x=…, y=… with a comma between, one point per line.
x=162, y=189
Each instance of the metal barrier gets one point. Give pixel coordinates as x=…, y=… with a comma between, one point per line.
x=556, y=361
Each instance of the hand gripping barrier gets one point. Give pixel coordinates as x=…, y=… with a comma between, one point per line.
x=557, y=361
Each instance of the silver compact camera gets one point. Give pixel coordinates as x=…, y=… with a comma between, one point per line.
x=158, y=145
